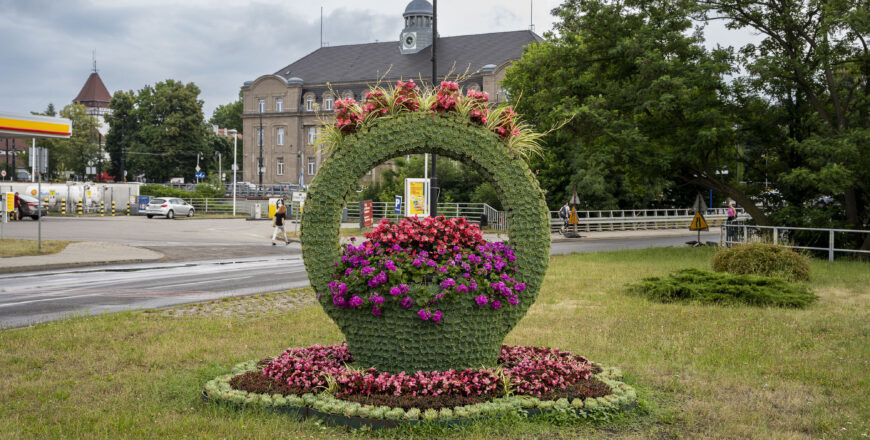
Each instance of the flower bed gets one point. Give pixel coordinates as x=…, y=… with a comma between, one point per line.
x=530, y=380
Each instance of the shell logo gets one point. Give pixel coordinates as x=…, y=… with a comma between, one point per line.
x=33, y=192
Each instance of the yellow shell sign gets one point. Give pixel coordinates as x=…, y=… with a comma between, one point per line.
x=35, y=126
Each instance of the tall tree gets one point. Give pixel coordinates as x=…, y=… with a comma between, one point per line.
x=814, y=62
x=123, y=128
x=228, y=115
x=169, y=130
x=648, y=106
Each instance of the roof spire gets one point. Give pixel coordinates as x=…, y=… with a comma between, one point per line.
x=94, y=58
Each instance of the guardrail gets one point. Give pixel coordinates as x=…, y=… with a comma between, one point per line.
x=792, y=237
x=472, y=211
x=640, y=219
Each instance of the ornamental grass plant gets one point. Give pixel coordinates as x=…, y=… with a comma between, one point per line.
x=763, y=259
x=704, y=287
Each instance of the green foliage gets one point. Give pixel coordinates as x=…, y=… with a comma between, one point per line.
x=163, y=131
x=763, y=259
x=813, y=67
x=459, y=182
x=400, y=341
x=694, y=285
x=647, y=105
x=228, y=115
x=72, y=154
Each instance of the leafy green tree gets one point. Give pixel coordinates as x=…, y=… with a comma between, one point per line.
x=649, y=110
x=813, y=62
x=123, y=128
x=228, y=115
x=168, y=130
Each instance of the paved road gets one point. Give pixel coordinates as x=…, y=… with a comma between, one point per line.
x=27, y=298
x=229, y=257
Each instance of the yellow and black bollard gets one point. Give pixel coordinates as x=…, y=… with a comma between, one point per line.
x=102, y=208
x=128, y=208
x=63, y=206
x=79, y=207
x=113, y=208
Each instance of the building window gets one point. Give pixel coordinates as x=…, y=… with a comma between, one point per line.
x=262, y=105
x=309, y=104
x=280, y=135
x=280, y=170
x=312, y=167
x=279, y=104
x=312, y=135
x=327, y=103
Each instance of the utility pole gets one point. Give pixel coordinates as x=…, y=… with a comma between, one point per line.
x=261, y=135
x=99, y=156
x=235, y=166
x=123, y=155
x=433, y=183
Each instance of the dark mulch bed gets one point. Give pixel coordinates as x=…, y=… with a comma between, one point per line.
x=257, y=382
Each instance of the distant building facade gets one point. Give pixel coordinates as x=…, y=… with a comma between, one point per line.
x=292, y=103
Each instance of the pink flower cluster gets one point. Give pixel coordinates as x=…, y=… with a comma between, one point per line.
x=507, y=125
x=539, y=370
x=431, y=234
x=406, y=96
x=376, y=102
x=347, y=115
x=479, y=109
x=530, y=370
x=308, y=367
x=446, y=97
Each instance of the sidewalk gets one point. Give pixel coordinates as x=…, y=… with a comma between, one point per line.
x=87, y=253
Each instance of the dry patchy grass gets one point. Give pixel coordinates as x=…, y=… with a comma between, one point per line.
x=701, y=371
x=13, y=247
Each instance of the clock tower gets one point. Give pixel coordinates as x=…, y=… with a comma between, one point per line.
x=417, y=34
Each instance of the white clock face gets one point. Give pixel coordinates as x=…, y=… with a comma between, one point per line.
x=409, y=40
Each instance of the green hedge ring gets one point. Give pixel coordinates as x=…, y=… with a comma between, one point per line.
x=468, y=336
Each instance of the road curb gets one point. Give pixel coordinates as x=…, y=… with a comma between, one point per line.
x=42, y=267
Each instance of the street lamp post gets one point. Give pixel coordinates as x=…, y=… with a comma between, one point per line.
x=433, y=185
x=260, y=134
x=220, y=167
x=235, y=166
x=198, y=156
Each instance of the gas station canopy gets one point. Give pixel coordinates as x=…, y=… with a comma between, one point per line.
x=30, y=126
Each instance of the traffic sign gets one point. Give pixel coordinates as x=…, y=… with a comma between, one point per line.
x=699, y=205
x=3, y=173
x=200, y=174
x=698, y=223
x=574, y=199
x=397, y=208
x=573, y=218
x=198, y=169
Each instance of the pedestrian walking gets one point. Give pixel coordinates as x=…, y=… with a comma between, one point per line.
x=278, y=222
x=729, y=228
x=564, y=214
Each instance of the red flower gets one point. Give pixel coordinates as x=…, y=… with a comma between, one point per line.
x=446, y=97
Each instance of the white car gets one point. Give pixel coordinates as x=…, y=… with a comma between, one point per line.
x=168, y=207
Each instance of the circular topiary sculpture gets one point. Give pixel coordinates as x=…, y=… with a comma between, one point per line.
x=467, y=336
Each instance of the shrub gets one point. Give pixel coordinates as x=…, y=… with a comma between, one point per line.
x=162, y=191
x=694, y=285
x=763, y=259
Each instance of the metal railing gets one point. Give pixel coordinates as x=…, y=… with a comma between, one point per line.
x=791, y=237
x=640, y=219
x=472, y=211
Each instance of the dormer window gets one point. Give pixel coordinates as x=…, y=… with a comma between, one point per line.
x=279, y=104
x=262, y=105
x=327, y=103
x=309, y=103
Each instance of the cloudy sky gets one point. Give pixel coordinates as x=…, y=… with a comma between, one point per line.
x=47, y=44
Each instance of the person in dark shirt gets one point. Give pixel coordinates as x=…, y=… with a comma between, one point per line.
x=278, y=222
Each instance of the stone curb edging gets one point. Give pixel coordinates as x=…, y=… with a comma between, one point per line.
x=336, y=412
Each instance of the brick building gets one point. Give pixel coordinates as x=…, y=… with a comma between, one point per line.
x=291, y=103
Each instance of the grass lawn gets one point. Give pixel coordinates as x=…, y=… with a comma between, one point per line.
x=13, y=247
x=700, y=371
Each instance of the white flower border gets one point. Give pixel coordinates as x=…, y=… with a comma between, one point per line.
x=622, y=397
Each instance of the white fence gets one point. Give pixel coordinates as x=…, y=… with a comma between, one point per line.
x=794, y=237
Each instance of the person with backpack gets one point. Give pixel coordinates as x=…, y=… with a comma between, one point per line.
x=564, y=214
